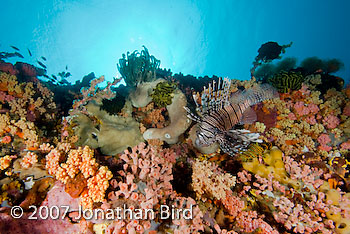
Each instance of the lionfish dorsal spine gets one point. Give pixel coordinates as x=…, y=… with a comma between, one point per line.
x=213, y=97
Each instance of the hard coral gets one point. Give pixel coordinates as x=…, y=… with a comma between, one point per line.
x=144, y=184
x=178, y=121
x=111, y=133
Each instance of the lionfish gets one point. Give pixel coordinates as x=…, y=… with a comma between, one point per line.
x=218, y=112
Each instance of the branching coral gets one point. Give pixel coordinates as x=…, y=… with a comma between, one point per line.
x=93, y=92
x=144, y=184
x=209, y=181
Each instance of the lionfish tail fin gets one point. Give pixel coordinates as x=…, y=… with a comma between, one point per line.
x=256, y=94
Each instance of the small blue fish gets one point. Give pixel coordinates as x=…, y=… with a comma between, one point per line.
x=14, y=47
x=30, y=53
x=19, y=55
x=43, y=58
x=64, y=81
x=41, y=64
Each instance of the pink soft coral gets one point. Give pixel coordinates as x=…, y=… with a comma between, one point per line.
x=311, y=120
x=324, y=139
x=346, y=110
x=301, y=109
x=345, y=145
x=292, y=116
x=331, y=121
x=313, y=108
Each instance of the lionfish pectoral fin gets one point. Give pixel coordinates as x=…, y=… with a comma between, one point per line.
x=244, y=136
x=255, y=94
x=230, y=148
x=249, y=116
x=191, y=115
x=235, y=97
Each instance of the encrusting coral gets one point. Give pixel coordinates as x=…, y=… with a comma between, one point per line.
x=178, y=121
x=111, y=133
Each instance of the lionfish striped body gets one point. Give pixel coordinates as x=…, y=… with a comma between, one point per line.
x=218, y=114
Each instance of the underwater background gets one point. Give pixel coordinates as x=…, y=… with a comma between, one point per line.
x=174, y=117
x=193, y=37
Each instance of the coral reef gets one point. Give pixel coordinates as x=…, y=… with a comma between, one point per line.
x=178, y=121
x=141, y=96
x=111, y=133
x=130, y=154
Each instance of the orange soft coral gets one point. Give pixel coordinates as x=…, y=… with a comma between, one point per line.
x=79, y=160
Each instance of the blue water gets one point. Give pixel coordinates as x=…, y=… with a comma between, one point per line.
x=203, y=37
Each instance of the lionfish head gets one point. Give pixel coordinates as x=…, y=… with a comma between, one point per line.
x=200, y=140
x=203, y=140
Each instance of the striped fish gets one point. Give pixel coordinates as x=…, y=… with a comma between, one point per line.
x=219, y=114
x=254, y=150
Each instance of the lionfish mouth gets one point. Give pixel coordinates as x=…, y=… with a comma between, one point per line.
x=200, y=143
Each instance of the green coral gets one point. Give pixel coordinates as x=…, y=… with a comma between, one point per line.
x=163, y=93
x=287, y=81
x=138, y=67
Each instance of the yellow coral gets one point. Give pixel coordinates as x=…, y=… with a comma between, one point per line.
x=5, y=162
x=260, y=127
x=4, y=123
x=342, y=223
x=314, y=97
x=9, y=83
x=274, y=165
